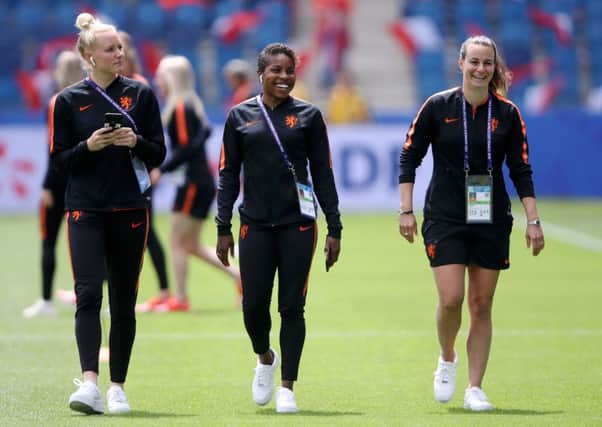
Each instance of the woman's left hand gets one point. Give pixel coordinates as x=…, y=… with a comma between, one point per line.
x=225, y=246
x=124, y=137
x=535, y=240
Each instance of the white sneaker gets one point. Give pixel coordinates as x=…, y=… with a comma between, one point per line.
x=86, y=398
x=40, y=308
x=117, y=401
x=444, y=383
x=263, y=382
x=285, y=401
x=475, y=400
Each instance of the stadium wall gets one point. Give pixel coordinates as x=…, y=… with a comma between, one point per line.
x=566, y=150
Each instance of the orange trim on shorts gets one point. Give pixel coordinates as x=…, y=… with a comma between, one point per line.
x=181, y=128
x=189, y=198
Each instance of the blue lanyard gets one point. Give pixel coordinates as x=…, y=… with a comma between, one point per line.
x=94, y=85
x=276, y=137
x=464, y=120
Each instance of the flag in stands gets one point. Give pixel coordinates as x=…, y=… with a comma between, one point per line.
x=560, y=23
x=416, y=33
x=539, y=97
x=230, y=27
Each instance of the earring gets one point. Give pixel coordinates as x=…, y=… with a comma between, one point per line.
x=92, y=61
x=261, y=78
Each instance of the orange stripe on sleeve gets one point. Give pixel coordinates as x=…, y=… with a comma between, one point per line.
x=523, y=127
x=409, y=141
x=51, y=122
x=189, y=198
x=181, y=124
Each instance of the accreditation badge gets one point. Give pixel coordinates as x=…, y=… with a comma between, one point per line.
x=479, y=190
x=305, y=193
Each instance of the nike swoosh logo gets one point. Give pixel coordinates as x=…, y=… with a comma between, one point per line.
x=251, y=123
x=451, y=120
x=85, y=107
x=137, y=224
x=305, y=228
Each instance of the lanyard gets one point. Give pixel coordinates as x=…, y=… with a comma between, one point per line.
x=94, y=85
x=464, y=120
x=276, y=137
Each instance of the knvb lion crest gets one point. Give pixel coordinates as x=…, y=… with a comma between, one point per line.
x=125, y=102
x=291, y=121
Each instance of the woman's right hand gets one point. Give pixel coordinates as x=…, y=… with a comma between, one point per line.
x=100, y=139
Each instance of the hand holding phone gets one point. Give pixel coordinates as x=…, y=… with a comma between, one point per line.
x=113, y=120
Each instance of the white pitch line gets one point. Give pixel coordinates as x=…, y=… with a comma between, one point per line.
x=227, y=336
x=570, y=236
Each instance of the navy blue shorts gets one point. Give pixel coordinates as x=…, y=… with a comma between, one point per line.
x=486, y=245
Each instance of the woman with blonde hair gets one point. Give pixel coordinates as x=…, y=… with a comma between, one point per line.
x=188, y=128
x=68, y=70
x=105, y=131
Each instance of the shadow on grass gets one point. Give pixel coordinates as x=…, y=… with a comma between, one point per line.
x=152, y=414
x=309, y=413
x=504, y=411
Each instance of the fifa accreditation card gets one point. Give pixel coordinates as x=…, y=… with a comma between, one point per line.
x=306, y=200
x=479, y=190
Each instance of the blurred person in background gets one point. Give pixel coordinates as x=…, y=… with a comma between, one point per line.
x=106, y=201
x=132, y=69
x=345, y=104
x=188, y=128
x=472, y=130
x=237, y=73
x=273, y=137
x=332, y=38
x=68, y=70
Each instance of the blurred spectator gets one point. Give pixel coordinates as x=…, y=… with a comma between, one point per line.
x=332, y=37
x=238, y=73
x=131, y=68
x=131, y=65
x=68, y=70
x=345, y=104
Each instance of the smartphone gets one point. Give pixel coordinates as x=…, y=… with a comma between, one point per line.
x=113, y=120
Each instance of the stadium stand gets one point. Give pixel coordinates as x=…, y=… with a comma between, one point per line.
x=553, y=47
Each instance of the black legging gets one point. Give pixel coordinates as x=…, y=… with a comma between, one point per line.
x=50, y=223
x=289, y=250
x=157, y=254
x=101, y=244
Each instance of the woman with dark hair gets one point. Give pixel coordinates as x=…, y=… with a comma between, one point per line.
x=472, y=130
x=274, y=137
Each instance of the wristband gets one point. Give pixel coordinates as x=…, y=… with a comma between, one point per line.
x=406, y=212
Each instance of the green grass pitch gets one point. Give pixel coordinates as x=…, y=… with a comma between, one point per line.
x=371, y=346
